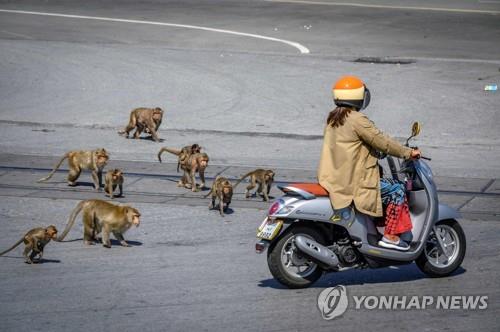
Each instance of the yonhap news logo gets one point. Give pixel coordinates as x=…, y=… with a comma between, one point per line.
x=334, y=301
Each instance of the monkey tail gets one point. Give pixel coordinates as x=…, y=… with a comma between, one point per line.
x=11, y=248
x=242, y=178
x=55, y=168
x=71, y=220
x=210, y=192
x=172, y=151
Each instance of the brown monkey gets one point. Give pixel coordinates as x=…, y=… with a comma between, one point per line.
x=100, y=216
x=263, y=177
x=35, y=241
x=144, y=119
x=223, y=190
x=183, y=154
x=94, y=161
x=197, y=162
x=112, y=179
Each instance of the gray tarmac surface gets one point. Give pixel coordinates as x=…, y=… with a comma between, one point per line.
x=69, y=83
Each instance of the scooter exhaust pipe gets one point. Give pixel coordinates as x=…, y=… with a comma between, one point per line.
x=317, y=252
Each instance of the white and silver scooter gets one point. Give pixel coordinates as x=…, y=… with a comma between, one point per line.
x=305, y=237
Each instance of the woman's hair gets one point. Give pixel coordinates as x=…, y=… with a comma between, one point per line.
x=337, y=117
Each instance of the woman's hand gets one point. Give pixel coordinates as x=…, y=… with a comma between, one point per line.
x=415, y=154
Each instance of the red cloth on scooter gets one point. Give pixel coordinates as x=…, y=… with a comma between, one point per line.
x=397, y=220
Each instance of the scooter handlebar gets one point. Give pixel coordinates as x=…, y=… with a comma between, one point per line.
x=421, y=157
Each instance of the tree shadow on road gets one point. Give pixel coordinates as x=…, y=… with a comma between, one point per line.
x=369, y=276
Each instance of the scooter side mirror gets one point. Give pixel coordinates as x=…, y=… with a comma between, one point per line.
x=415, y=130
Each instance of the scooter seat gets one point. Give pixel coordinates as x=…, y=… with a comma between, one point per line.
x=312, y=188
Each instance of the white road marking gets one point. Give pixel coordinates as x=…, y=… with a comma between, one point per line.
x=301, y=48
x=353, y=4
x=16, y=34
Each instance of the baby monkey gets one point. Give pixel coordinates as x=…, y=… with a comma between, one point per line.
x=35, y=241
x=264, y=178
x=223, y=190
x=113, y=178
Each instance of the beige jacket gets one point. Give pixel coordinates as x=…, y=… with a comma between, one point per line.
x=348, y=167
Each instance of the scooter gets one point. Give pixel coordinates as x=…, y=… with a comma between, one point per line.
x=305, y=237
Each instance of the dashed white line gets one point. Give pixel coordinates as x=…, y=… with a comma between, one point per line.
x=353, y=4
x=301, y=48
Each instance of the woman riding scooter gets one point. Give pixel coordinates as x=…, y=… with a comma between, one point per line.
x=348, y=167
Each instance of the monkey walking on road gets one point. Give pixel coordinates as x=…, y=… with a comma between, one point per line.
x=192, y=164
x=264, y=178
x=112, y=179
x=35, y=241
x=103, y=217
x=144, y=119
x=182, y=154
x=195, y=163
x=222, y=189
x=94, y=161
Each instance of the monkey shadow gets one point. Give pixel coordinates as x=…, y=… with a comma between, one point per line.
x=114, y=196
x=68, y=241
x=352, y=277
x=226, y=211
x=36, y=261
x=150, y=138
x=43, y=261
x=83, y=184
x=255, y=195
x=114, y=242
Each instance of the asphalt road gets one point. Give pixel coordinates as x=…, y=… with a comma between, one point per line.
x=251, y=101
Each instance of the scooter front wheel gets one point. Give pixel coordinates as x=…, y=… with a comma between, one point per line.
x=286, y=263
x=444, y=250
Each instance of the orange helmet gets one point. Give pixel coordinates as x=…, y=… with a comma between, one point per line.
x=351, y=91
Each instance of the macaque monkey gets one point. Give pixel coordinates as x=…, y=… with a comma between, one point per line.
x=223, y=190
x=103, y=217
x=264, y=178
x=183, y=154
x=94, y=161
x=197, y=162
x=144, y=119
x=112, y=179
x=35, y=241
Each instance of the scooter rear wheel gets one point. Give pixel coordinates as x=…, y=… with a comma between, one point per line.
x=436, y=263
x=288, y=266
